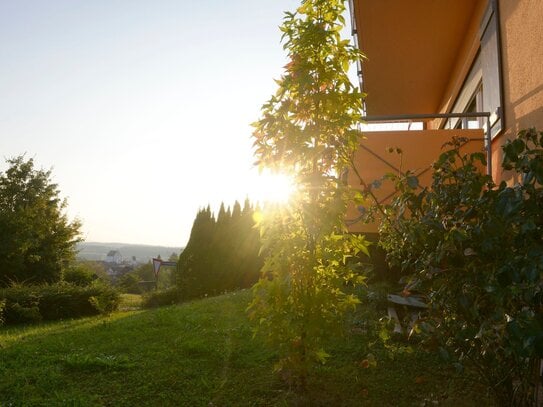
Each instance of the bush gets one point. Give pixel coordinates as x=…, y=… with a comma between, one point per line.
x=28, y=304
x=79, y=275
x=106, y=301
x=24, y=314
x=476, y=248
x=20, y=304
x=162, y=298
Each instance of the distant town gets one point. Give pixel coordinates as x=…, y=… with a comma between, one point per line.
x=123, y=253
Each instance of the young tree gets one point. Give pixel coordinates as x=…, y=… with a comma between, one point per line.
x=37, y=241
x=308, y=128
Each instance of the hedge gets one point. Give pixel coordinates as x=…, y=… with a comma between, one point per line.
x=28, y=304
x=161, y=298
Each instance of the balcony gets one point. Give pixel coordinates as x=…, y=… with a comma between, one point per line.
x=420, y=148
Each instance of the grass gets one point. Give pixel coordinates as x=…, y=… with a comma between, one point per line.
x=202, y=354
x=130, y=302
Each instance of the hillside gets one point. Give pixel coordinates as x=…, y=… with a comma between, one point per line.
x=143, y=253
x=202, y=354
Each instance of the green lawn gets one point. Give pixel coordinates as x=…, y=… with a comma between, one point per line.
x=202, y=354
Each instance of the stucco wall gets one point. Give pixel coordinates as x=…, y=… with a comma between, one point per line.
x=420, y=148
x=522, y=59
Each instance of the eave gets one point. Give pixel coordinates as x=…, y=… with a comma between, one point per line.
x=413, y=49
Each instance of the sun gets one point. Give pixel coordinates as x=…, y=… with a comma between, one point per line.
x=273, y=188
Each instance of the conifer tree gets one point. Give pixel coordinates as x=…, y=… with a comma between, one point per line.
x=221, y=255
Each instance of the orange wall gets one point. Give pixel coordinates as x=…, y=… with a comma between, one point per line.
x=419, y=150
x=522, y=70
x=521, y=31
x=522, y=59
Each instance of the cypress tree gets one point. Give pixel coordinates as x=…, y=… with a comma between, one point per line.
x=221, y=255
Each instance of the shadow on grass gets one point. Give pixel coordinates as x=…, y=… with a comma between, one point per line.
x=13, y=334
x=202, y=354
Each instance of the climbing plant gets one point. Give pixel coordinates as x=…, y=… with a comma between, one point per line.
x=308, y=129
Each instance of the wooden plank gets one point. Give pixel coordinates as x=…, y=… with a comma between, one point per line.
x=409, y=301
x=394, y=316
x=414, y=316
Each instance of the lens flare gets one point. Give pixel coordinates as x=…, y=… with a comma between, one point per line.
x=273, y=188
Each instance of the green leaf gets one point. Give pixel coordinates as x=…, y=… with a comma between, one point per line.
x=345, y=65
x=412, y=181
x=321, y=356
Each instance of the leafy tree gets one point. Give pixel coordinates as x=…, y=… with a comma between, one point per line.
x=130, y=282
x=80, y=275
x=37, y=241
x=477, y=249
x=84, y=273
x=308, y=129
x=145, y=271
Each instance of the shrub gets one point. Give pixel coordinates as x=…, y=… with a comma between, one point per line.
x=162, y=298
x=106, y=302
x=24, y=314
x=477, y=249
x=26, y=304
x=21, y=304
x=79, y=275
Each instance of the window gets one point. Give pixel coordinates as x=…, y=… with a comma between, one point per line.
x=482, y=90
x=491, y=67
x=470, y=98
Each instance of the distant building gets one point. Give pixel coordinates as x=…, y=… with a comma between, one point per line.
x=115, y=271
x=114, y=256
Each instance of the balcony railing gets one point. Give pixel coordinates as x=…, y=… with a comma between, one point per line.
x=486, y=116
x=420, y=148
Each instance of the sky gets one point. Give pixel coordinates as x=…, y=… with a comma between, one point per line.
x=142, y=108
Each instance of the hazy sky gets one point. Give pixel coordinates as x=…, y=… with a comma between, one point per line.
x=141, y=107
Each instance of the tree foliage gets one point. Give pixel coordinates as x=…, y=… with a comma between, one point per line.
x=477, y=250
x=308, y=129
x=37, y=241
x=84, y=273
x=222, y=254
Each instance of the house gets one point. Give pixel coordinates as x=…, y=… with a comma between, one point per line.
x=469, y=68
x=115, y=270
x=114, y=256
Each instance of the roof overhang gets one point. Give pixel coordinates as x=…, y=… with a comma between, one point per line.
x=412, y=47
